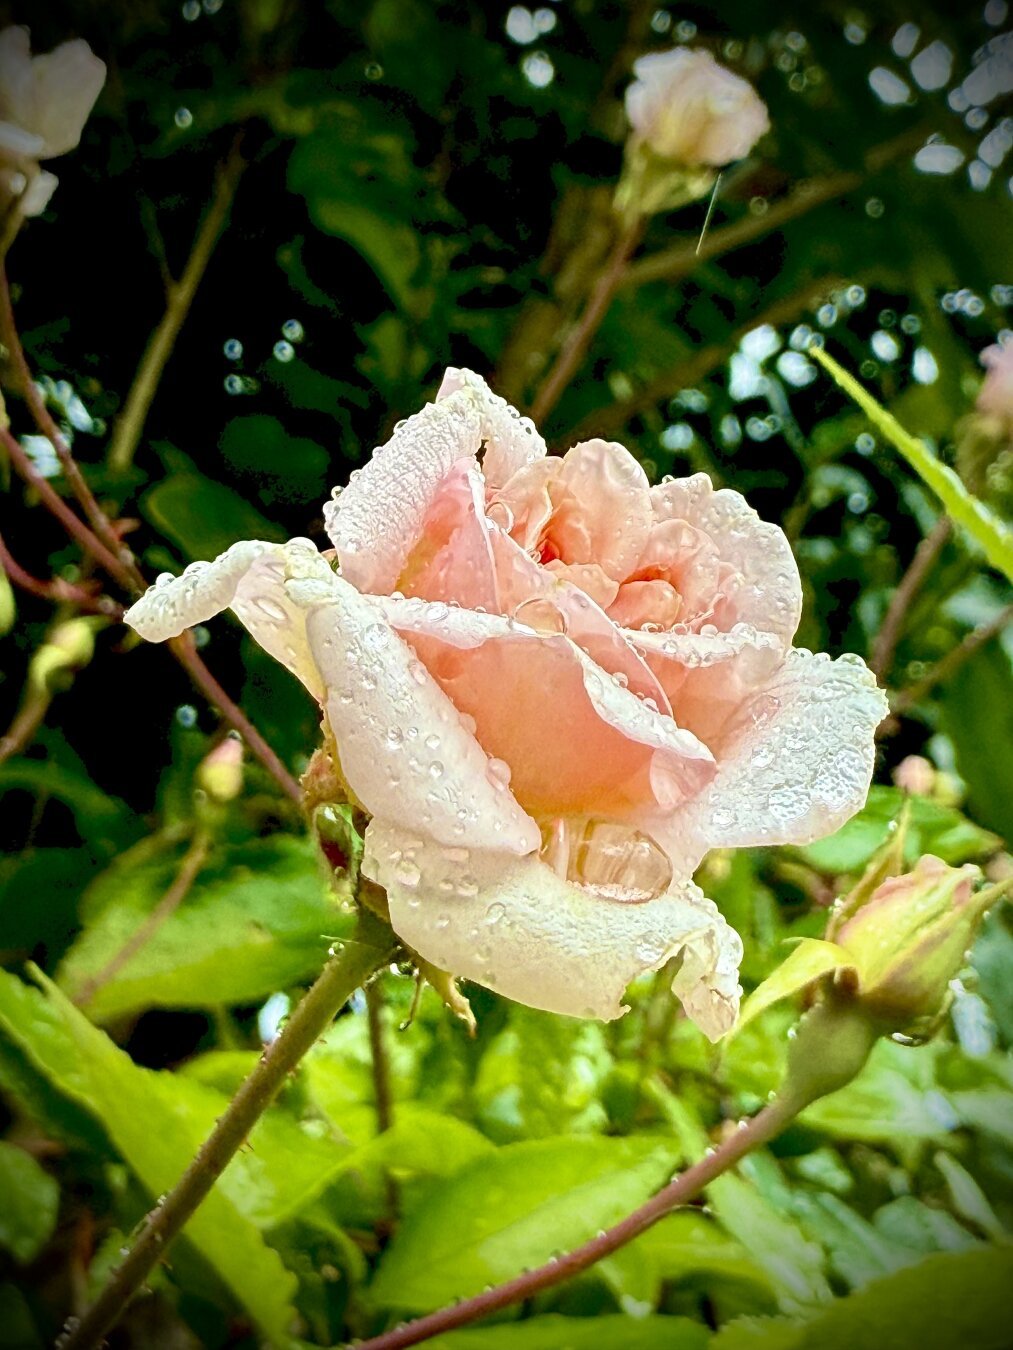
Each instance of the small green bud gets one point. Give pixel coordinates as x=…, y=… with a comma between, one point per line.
x=8, y=605
x=69, y=647
x=220, y=773
x=908, y=941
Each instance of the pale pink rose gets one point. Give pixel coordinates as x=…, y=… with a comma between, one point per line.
x=688, y=108
x=554, y=688
x=995, y=397
x=44, y=104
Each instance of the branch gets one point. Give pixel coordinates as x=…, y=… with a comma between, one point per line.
x=892, y=627
x=371, y=946
x=581, y=336
x=673, y=264
x=606, y=420
x=763, y=1127
x=126, y=568
x=947, y=666
x=188, y=657
x=58, y=591
x=179, y=297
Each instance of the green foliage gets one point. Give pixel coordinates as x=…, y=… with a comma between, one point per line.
x=426, y=184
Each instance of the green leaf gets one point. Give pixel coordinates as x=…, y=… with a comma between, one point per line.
x=157, y=1122
x=682, y=1246
x=948, y=1300
x=29, y=1200
x=988, y=531
x=541, y=1076
x=202, y=517
x=807, y=962
x=513, y=1209
x=259, y=918
x=969, y=1200
x=932, y=828
x=978, y=718
x=581, y=1333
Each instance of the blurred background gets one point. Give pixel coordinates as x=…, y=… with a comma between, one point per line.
x=314, y=208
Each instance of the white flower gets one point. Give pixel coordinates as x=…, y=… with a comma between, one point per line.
x=44, y=104
x=688, y=108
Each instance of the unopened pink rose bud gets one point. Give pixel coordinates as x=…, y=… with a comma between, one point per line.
x=220, y=773
x=916, y=775
x=690, y=109
x=911, y=938
x=995, y=397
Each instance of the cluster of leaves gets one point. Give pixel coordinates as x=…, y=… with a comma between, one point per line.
x=428, y=181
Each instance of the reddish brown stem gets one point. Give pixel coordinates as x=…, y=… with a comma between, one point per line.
x=186, y=654
x=763, y=1127
x=97, y=518
x=57, y=590
x=582, y=335
x=892, y=627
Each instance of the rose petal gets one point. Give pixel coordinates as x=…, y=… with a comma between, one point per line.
x=513, y=925
x=404, y=749
x=524, y=587
x=250, y=578
x=602, y=507
x=797, y=763
x=511, y=440
x=452, y=558
x=593, y=748
x=641, y=602
x=67, y=82
x=763, y=588
x=708, y=675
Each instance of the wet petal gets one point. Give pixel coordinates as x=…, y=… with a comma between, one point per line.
x=593, y=747
x=376, y=520
x=796, y=765
x=511, y=440
x=452, y=559
x=251, y=578
x=657, y=603
x=602, y=507
x=513, y=925
x=405, y=751
x=67, y=81
x=762, y=585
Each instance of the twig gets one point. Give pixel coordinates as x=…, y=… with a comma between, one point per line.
x=54, y=503
x=27, y=721
x=673, y=264
x=582, y=334
x=370, y=947
x=186, y=654
x=892, y=627
x=179, y=297
x=610, y=418
x=763, y=1127
x=193, y=860
x=97, y=518
x=381, y=1063
x=57, y=590
x=951, y=662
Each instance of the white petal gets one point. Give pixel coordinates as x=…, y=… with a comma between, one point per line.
x=513, y=925
x=251, y=578
x=38, y=192
x=404, y=749
x=797, y=764
x=511, y=440
x=376, y=520
x=765, y=590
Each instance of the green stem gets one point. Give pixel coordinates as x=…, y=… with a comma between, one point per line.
x=370, y=947
x=179, y=298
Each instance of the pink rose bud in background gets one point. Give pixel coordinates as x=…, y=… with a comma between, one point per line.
x=553, y=688
x=916, y=775
x=44, y=104
x=995, y=398
x=688, y=108
x=910, y=939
